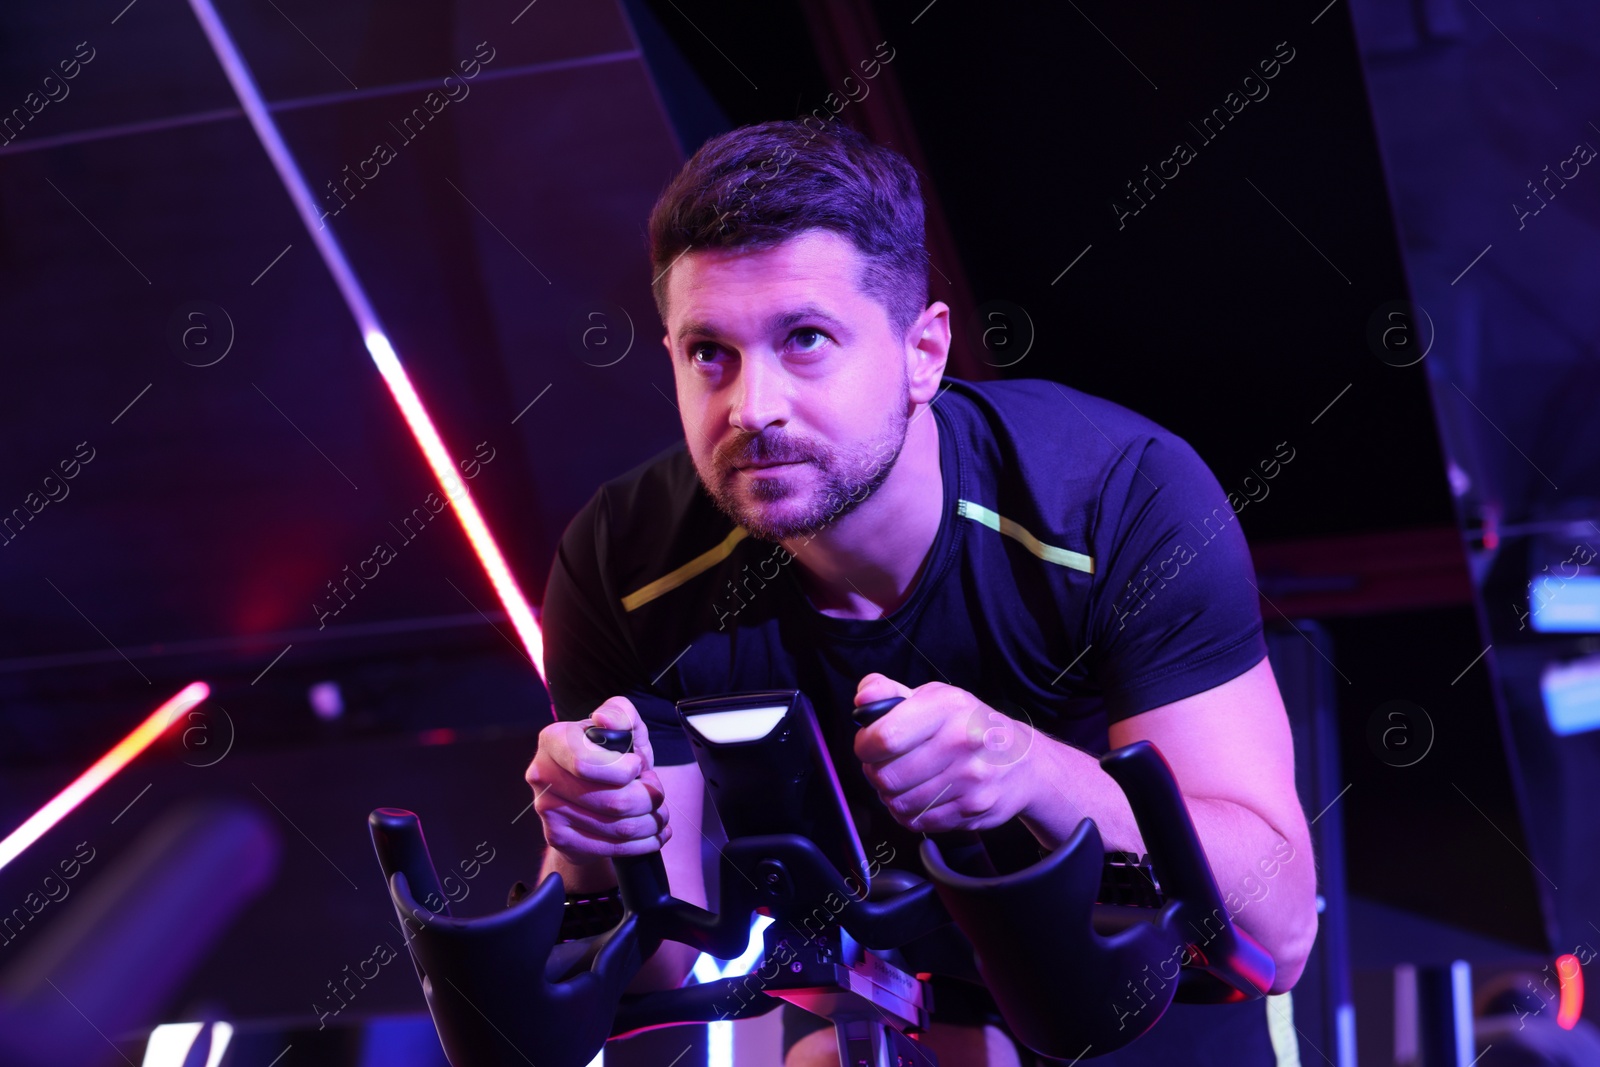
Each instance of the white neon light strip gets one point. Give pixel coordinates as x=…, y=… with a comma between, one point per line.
x=1461, y=1003
x=169, y=1044
x=719, y=1038
x=221, y=1034
x=1571, y=693
x=121, y=754
x=719, y=1044
x=372, y=333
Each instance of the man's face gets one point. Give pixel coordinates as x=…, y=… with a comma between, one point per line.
x=793, y=389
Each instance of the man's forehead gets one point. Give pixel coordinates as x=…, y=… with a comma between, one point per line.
x=815, y=272
x=701, y=322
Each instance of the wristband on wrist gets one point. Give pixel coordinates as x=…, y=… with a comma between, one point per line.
x=1128, y=878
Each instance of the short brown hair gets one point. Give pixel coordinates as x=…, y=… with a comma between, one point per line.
x=757, y=186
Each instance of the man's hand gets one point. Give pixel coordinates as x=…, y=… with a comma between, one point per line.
x=943, y=759
x=595, y=803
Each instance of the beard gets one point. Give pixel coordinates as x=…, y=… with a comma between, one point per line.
x=781, y=505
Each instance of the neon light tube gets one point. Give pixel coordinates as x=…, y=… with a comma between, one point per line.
x=372, y=333
x=719, y=1035
x=169, y=1044
x=1571, y=693
x=1569, y=972
x=121, y=754
x=444, y=469
x=221, y=1034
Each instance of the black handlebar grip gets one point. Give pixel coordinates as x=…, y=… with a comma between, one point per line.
x=963, y=849
x=397, y=839
x=867, y=714
x=611, y=740
x=642, y=879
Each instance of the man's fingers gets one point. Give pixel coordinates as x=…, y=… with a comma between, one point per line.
x=879, y=687
x=574, y=758
x=905, y=726
x=901, y=774
x=591, y=828
x=652, y=786
x=595, y=762
x=594, y=802
x=930, y=811
x=641, y=742
x=595, y=847
x=592, y=763
x=621, y=802
x=605, y=811
x=622, y=795
x=943, y=803
x=615, y=714
x=618, y=713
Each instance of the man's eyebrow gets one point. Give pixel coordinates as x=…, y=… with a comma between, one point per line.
x=781, y=321
x=804, y=313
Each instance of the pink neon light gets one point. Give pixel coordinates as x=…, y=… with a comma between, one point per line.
x=444, y=469
x=377, y=342
x=1570, y=974
x=121, y=754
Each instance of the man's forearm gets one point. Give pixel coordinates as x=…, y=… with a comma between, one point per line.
x=590, y=877
x=667, y=967
x=1067, y=786
x=1267, y=880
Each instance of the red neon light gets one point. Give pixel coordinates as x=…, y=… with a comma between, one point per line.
x=121, y=754
x=444, y=469
x=1570, y=972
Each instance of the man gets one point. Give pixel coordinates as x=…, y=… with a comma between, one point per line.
x=1040, y=573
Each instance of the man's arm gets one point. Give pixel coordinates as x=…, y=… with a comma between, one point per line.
x=590, y=661
x=1233, y=757
x=684, y=797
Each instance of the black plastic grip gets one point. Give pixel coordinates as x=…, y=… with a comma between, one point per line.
x=642, y=879
x=867, y=714
x=397, y=839
x=1242, y=967
x=611, y=740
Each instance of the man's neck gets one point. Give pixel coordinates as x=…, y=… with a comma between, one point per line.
x=866, y=565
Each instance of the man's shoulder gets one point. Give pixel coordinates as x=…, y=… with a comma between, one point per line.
x=661, y=492
x=1050, y=439
x=1038, y=407
x=664, y=476
x=638, y=522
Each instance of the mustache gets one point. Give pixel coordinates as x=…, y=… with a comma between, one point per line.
x=764, y=449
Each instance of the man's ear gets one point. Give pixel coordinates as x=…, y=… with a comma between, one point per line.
x=927, y=350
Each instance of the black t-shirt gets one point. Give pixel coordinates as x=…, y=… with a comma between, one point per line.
x=1087, y=567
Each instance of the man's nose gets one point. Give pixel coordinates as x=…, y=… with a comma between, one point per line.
x=761, y=397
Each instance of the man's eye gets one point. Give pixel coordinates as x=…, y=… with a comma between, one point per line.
x=807, y=339
x=707, y=350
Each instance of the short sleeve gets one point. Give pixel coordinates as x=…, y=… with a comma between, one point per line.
x=589, y=656
x=1177, y=611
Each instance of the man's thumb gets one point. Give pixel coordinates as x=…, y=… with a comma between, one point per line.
x=612, y=717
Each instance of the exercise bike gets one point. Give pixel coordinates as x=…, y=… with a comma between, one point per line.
x=1056, y=959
